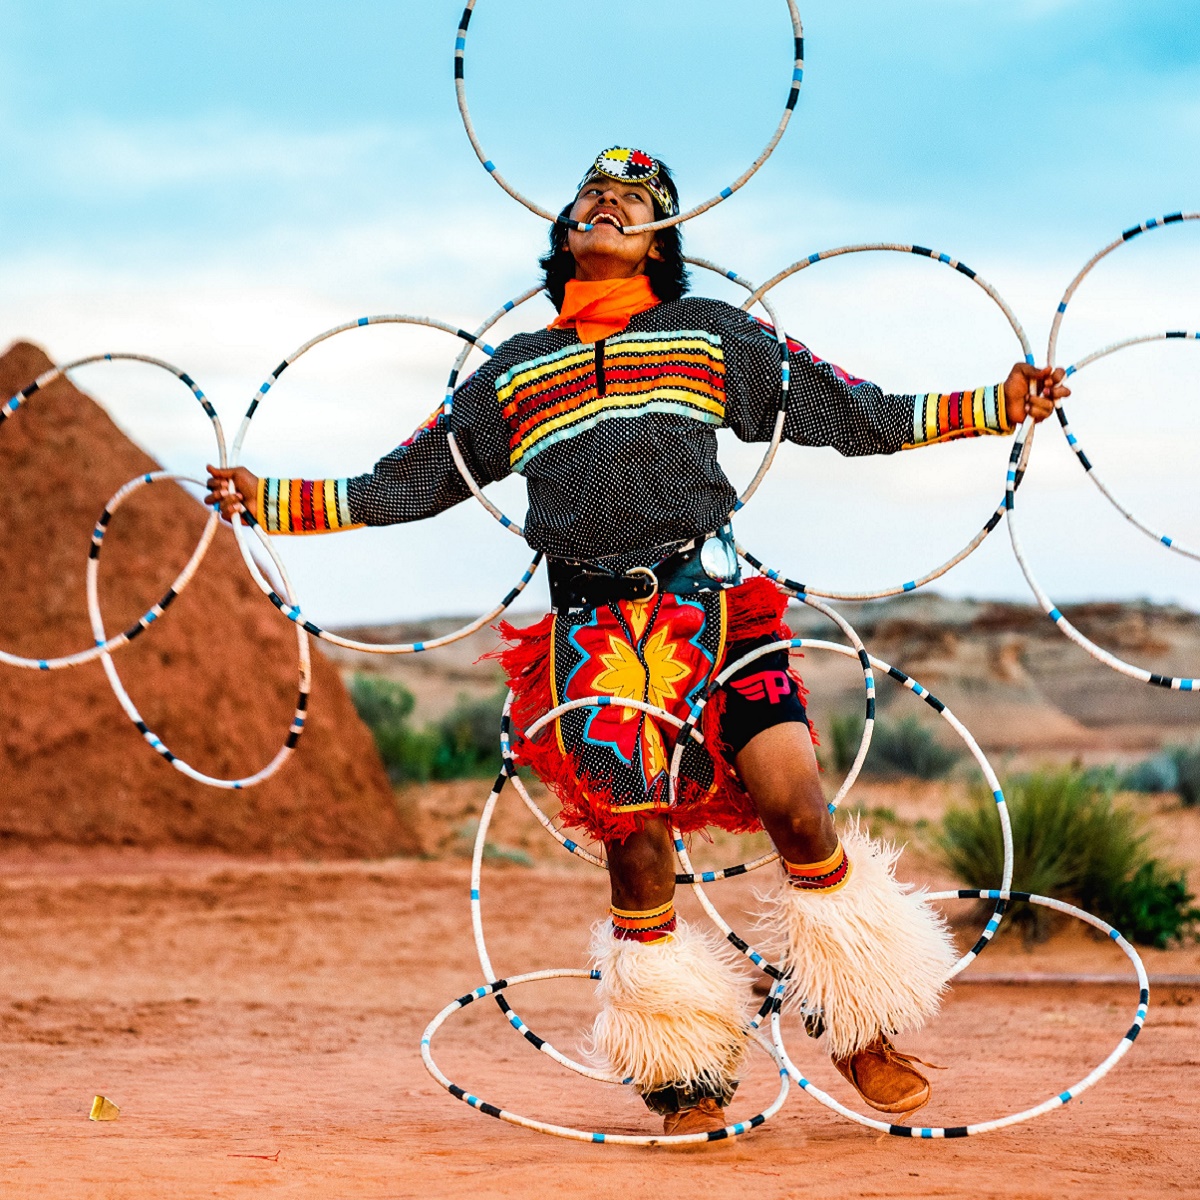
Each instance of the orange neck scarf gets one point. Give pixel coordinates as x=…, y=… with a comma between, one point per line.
x=599, y=308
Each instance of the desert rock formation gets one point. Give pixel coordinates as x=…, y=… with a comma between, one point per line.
x=216, y=679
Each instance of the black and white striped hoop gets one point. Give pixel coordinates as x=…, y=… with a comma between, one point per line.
x=155, y=611
x=1010, y=316
x=95, y=615
x=460, y=89
x=289, y=607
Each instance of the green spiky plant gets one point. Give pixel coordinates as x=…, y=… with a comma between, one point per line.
x=1071, y=840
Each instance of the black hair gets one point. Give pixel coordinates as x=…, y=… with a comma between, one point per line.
x=668, y=277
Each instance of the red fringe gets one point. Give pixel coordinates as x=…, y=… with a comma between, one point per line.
x=753, y=609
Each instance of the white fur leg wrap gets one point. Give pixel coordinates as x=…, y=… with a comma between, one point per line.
x=672, y=1013
x=872, y=956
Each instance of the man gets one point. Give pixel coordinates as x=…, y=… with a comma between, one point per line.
x=611, y=415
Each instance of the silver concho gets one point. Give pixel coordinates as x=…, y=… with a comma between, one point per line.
x=718, y=558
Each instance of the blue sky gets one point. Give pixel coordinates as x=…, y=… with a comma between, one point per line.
x=215, y=183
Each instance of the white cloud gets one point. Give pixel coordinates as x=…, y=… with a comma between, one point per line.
x=135, y=158
x=227, y=304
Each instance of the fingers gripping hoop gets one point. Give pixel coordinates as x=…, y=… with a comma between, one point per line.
x=1026, y=349
x=288, y=606
x=295, y=729
x=460, y=56
x=152, y=614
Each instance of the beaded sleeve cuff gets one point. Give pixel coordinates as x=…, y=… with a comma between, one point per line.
x=305, y=505
x=944, y=416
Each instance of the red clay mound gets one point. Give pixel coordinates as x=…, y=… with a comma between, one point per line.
x=216, y=679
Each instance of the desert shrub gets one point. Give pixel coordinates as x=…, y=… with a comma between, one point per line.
x=468, y=738
x=845, y=733
x=386, y=707
x=1071, y=840
x=1175, y=769
x=1159, y=773
x=907, y=747
x=380, y=701
x=1187, y=763
x=1153, y=907
x=904, y=747
x=463, y=744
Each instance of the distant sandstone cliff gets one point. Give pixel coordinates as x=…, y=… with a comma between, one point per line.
x=1004, y=669
x=216, y=678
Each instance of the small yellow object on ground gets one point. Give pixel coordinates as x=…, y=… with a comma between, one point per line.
x=103, y=1109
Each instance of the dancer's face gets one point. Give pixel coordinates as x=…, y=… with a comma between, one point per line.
x=604, y=252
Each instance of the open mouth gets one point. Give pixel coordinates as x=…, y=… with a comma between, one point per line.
x=606, y=218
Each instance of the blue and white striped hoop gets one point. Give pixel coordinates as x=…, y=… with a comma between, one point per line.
x=1154, y=678
x=1176, y=218
x=289, y=606
x=1173, y=544
x=155, y=611
x=734, y=1130
x=1050, y=1105
x=299, y=716
x=1026, y=349
x=494, y=986
x=460, y=89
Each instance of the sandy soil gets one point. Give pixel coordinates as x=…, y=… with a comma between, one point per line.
x=258, y=1024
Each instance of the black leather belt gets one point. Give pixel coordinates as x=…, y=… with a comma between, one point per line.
x=705, y=564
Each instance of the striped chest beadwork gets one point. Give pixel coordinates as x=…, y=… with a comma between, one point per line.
x=570, y=391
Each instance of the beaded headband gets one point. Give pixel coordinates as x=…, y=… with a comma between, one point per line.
x=633, y=166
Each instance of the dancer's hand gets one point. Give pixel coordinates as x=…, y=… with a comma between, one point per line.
x=230, y=486
x=1021, y=401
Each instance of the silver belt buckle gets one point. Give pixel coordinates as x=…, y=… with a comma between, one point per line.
x=648, y=572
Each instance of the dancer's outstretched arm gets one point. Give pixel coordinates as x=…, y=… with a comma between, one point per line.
x=827, y=406
x=418, y=479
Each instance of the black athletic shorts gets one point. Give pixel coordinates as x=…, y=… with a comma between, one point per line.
x=762, y=694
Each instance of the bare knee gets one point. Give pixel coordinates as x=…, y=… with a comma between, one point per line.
x=806, y=817
x=780, y=772
x=641, y=868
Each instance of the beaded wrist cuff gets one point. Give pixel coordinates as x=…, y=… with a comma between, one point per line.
x=945, y=416
x=305, y=505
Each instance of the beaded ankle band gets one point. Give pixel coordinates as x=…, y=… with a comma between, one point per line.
x=825, y=876
x=649, y=927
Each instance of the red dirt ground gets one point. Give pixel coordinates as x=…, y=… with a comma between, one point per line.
x=257, y=1020
x=216, y=678
x=258, y=1024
